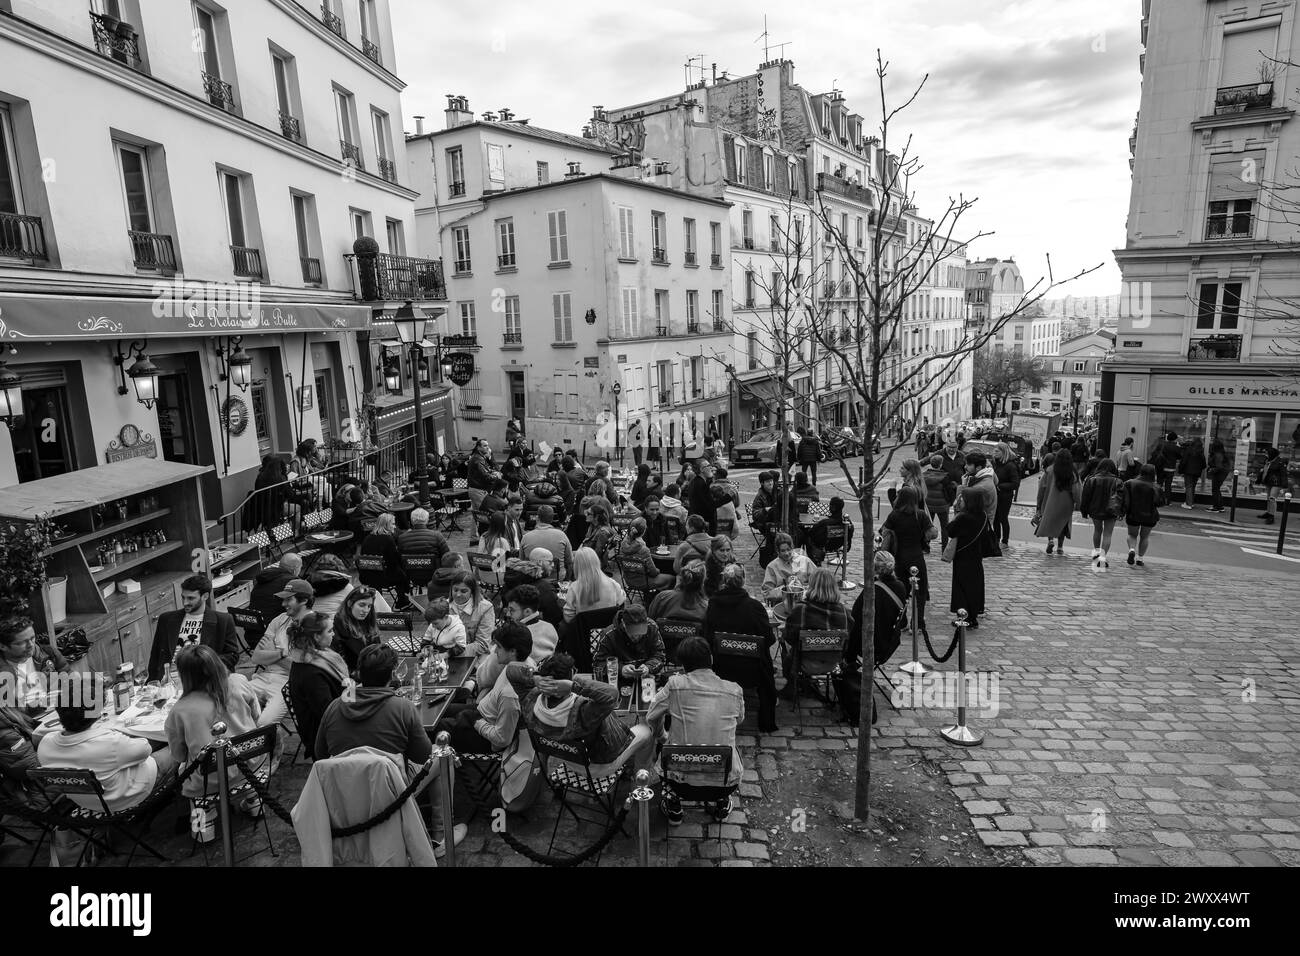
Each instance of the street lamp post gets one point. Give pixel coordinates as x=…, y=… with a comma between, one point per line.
x=411, y=324
x=618, y=431
x=1076, y=391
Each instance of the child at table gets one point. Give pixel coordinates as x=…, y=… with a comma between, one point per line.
x=446, y=631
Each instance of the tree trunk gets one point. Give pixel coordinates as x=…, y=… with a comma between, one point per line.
x=862, y=791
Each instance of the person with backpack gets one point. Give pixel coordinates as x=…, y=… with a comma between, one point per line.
x=1140, y=502
x=887, y=633
x=1100, y=501
x=1272, y=475
x=1216, y=465
x=1191, y=467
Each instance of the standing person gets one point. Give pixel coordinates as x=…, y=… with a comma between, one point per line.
x=699, y=496
x=1126, y=463
x=910, y=470
x=912, y=531
x=954, y=462
x=1006, y=469
x=1099, y=500
x=982, y=483
x=1191, y=467
x=810, y=450
x=481, y=474
x=1079, y=457
x=1091, y=466
x=194, y=623
x=1165, y=456
x=968, y=561
x=766, y=514
x=1140, y=505
x=600, y=529
x=1272, y=475
x=1217, y=473
x=1058, y=497
x=940, y=493
x=635, y=440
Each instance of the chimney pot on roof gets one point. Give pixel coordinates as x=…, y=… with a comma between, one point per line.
x=419, y=126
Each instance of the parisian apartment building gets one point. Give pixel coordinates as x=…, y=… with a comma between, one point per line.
x=1210, y=248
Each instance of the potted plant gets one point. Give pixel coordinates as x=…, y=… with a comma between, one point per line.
x=23, y=563
x=367, y=251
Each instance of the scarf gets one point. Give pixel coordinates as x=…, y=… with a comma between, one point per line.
x=332, y=663
x=557, y=716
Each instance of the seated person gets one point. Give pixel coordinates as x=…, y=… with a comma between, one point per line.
x=557, y=705
x=697, y=543
x=195, y=622
x=446, y=631
x=271, y=655
x=733, y=611
x=452, y=564
x=126, y=767
x=495, y=500
x=890, y=619
x=705, y=711
x=635, y=640
x=421, y=539
x=17, y=753
x=638, y=565
x=802, y=488
x=673, y=507
x=524, y=608
x=539, y=560
x=660, y=530
x=720, y=480
x=547, y=535
x=788, y=566
x=591, y=589
x=686, y=601
x=820, y=610
x=25, y=660
x=488, y=725
x=382, y=544
x=817, y=536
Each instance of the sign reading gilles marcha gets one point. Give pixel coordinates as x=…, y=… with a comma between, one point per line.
x=462, y=368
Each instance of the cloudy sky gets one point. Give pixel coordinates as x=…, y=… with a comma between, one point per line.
x=1028, y=105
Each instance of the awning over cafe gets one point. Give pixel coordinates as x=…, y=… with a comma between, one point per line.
x=394, y=411
x=177, y=309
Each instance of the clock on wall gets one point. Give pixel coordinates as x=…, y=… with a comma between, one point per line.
x=234, y=416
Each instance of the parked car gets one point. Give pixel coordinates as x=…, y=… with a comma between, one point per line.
x=760, y=448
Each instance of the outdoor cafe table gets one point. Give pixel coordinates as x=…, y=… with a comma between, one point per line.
x=135, y=721
x=401, y=510
x=664, y=560
x=431, y=711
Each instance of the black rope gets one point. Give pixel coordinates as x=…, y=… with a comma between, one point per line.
x=956, y=636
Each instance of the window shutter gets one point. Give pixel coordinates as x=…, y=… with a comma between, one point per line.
x=556, y=307
x=679, y=382
x=729, y=155
x=1241, y=54
x=562, y=217
x=1236, y=176
x=634, y=312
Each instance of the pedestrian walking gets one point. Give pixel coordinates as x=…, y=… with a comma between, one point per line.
x=965, y=534
x=1272, y=475
x=1006, y=468
x=1191, y=467
x=940, y=493
x=810, y=450
x=1100, y=501
x=1058, y=495
x=1217, y=473
x=912, y=532
x=1140, y=504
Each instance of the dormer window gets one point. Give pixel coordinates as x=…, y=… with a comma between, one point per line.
x=826, y=117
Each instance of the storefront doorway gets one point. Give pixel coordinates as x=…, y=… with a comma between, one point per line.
x=42, y=440
x=518, y=400
x=177, y=430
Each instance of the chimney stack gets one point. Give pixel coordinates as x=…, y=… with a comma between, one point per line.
x=419, y=126
x=457, y=112
x=505, y=115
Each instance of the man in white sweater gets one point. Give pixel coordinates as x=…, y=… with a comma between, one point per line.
x=525, y=608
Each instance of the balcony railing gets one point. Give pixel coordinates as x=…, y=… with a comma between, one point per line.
x=692, y=327
x=749, y=302
x=689, y=257
x=311, y=273
x=1239, y=99
x=659, y=255
x=665, y=397
x=506, y=260
x=399, y=278
x=219, y=92
x=351, y=153
x=775, y=244
x=387, y=169
x=1213, y=348
x=290, y=126
x=21, y=237
x=332, y=21
x=844, y=188
x=828, y=290
x=719, y=325
x=152, y=251
x=371, y=50
x=846, y=335
x=461, y=340
x=115, y=39
x=513, y=338
x=715, y=259
x=463, y=267
x=248, y=262
x=661, y=330
x=456, y=189
x=747, y=242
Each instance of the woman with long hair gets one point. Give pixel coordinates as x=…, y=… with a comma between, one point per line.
x=354, y=624
x=591, y=588
x=271, y=499
x=719, y=556
x=685, y=602
x=1058, y=497
x=820, y=610
x=380, y=547
x=209, y=693
x=317, y=675
x=968, y=563
x=1006, y=469
x=600, y=531
x=913, y=530
x=1099, y=500
x=474, y=610
x=636, y=562
x=646, y=484
x=494, y=540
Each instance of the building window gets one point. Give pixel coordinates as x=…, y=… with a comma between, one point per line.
x=688, y=240
x=303, y=216
x=793, y=170
x=659, y=237
x=460, y=242
x=692, y=311
x=663, y=319
x=630, y=316
x=751, y=347
x=778, y=288
x=1233, y=193
x=1080, y=366
x=1219, y=305
x=468, y=322
x=282, y=68
x=664, y=381
x=455, y=172
x=741, y=159
x=749, y=288
x=505, y=243
x=557, y=226
x=396, y=237
x=543, y=173
x=715, y=242
x=360, y=222
x=697, y=376
x=747, y=228
x=205, y=25
x=496, y=157
x=562, y=310
x=345, y=114
x=1056, y=387
x=134, y=167
x=719, y=315
x=233, y=194
x=860, y=233
x=11, y=195
x=383, y=145
x=626, y=233
x=514, y=327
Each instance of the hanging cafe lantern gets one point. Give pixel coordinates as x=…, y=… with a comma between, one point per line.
x=143, y=374
x=11, y=395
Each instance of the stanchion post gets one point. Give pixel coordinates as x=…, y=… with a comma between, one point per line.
x=223, y=792
x=959, y=733
x=445, y=755
x=916, y=667
x=642, y=793
x=1281, y=531
x=1232, y=515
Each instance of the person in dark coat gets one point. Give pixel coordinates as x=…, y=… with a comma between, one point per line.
x=1095, y=503
x=1217, y=471
x=265, y=598
x=1141, y=500
x=810, y=450
x=911, y=528
x=733, y=611
x=1006, y=470
x=954, y=462
x=968, y=563
x=884, y=633
x=194, y=622
x=1191, y=467
x=1166, y=456
x=699, y=497
x=317, y=674
x=382, y=544
x=266, y=505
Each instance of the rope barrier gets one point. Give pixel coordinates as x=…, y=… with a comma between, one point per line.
x=951, y=647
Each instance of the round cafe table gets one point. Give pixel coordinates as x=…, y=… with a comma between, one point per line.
x=401, y=510
x=664, y=560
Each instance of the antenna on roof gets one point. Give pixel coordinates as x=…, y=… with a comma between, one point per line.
x=764, y=37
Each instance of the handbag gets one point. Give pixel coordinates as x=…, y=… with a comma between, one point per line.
x=889, y=541
x=949, y=550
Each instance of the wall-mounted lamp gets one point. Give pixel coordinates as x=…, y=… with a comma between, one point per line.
x=393, y=378
x=143, y=373
x=590, y=316
x=236, y=364
x=11, y=395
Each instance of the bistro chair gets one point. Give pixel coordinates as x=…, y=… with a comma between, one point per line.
x=753, y=529
x=738, y=657
x=837, y=551
x=579, y=639
x=697, y=776
x=316, y=519
x=293, y=721
x=490, y=577
x=59, y=785
x=570, y=778
x=252, y=746
x=248, y=623
x=675, y=631
x=373, y=571
x=397, y=628
x=419, y=568
x=816, y=656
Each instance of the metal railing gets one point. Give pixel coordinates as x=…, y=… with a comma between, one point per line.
x=456, y=189
x=513, y=338
x=692, y=328
x=665, y=398
x=715, y=258
x=505, y=260
x=719, y=325
x=747, y=242
x=843, y=187
x=151, y=250
x=248, y=261
x=659, y=255
x=290, y=126
x=1210, y=348
x=749, y=302
x=401, y=277
x=371, y=50
x=690, y=257
x=351, y=153
x=22, y=237
x=310, y=270
x=661, y=330
x=115, y=39
x=387, y=169
x=1239, y=99
x=219, y=92
x=332, y=21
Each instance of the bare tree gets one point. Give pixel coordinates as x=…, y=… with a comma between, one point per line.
x=1000, y=375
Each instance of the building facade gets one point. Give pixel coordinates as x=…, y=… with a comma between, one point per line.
x=1211, y=256
x=179, y=180
x=1076, y=366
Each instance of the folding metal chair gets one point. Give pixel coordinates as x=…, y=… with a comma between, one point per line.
x=675, y=631
x=815, y=657
x=738, y=657
x=398, y=629
x=570, y=777
x=837, y=552
x=247, y=619
x=443, y=513
x=697, y=776
x=373, y=571
x=59, y=785
x=293, y=719
x=490, y=578
x=316, y=519
x=758, y=537
x=255, y=744
x=419, y=569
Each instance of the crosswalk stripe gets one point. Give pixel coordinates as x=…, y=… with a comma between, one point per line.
x=1271, y=554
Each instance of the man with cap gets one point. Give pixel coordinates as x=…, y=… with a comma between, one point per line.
x=547, y=536
x=268, y=584
x=635, y=640
x=272, y=652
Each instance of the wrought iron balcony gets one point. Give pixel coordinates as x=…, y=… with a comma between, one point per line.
x=692, y=328
x=463, y=266
x=665, y=397
x=22, y=237
x=747, y=242
x=311, y=273
x=661, y=330
x=506, y=260
x=659, y=255
x=846, y=335
x=219, y=92
x=715, y=259
x=371, y=50
x=462, y=340
x=1213, y=348
x=689, y=257
x=290, y=126
x=248, y=262
x=1239, y=99
x=388, y=169
x=152, y=251
x=513, y=338
x=332, y=20
x=841, y=187
x=351, y=153
x=399, y=278
x=719, y=325
x=749, y=302
x=456, y=189
x=115, y=39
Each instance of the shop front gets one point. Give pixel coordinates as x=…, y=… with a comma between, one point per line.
x=1248, y=413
